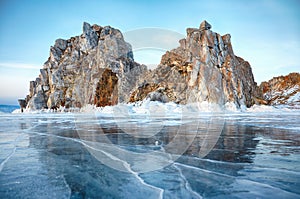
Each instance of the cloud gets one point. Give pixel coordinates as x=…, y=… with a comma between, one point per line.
x=155, y=38
x=19, y=65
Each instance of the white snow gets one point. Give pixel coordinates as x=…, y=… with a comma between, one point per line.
x=170, y=109
x=294, y=98
x=291, y=96
x=264, y=108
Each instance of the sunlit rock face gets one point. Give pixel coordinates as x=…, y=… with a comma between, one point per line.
x=282, y=90
x=84, y=69
x=98, y=68
x=203, y=68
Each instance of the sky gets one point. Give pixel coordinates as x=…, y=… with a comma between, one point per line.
x=264, y=32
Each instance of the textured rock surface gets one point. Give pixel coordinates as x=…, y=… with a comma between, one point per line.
x=202, y=68
x=98, y=68
x=86, y=69
x=106, y=90
x=282, y=90
x=205, y=25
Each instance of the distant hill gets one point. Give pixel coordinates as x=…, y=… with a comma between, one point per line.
x=282, y=90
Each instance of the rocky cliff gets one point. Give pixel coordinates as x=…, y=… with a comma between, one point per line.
x=282, y=90
x=203, y=68
x=98, y=68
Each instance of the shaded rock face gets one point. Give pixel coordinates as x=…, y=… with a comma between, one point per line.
x=282, y=90
x=202, y=68
x=153, y=92
x=84, y=69
x=106, y=90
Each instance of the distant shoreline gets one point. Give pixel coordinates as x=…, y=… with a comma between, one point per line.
x=6, y=108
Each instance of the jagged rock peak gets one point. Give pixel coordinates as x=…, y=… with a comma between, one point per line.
x=205, y=25
x=90, y=35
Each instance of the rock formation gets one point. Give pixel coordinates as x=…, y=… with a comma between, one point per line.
x=22, y=104
x=202, y=68
x=98, y=68
x=282, y=90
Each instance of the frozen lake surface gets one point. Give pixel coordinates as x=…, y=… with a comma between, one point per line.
x=97, y=155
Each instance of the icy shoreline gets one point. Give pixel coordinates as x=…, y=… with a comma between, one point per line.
x=146, y=107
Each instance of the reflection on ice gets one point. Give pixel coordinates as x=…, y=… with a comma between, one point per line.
x=106, y=139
